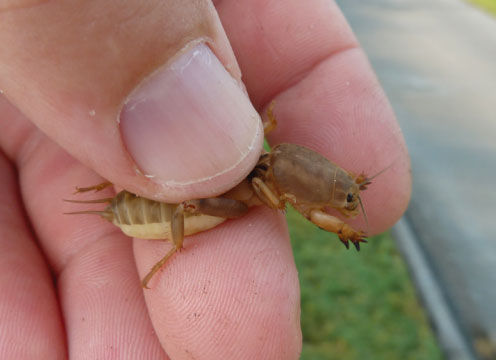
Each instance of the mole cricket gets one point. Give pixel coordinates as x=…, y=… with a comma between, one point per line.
x=289, y=173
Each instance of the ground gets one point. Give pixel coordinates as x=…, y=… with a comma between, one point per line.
x=357, y=305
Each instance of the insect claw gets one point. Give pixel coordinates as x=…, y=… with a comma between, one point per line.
x=357, y=245
x=364, y=241
x=346, y=244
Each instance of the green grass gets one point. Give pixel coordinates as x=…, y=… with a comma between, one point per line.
x=357, y=305
x=488, y=5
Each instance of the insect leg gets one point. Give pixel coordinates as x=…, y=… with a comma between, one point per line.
x=271, y=124
x=266, y=194
x=177, y=227
x=220, y=207
x=98, y=187
x=333, y=224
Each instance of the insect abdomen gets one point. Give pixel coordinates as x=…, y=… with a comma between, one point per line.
x=148, y=219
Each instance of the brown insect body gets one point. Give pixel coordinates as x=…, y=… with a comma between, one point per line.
x=289, y=173
x=311, y=179
x=310, y=183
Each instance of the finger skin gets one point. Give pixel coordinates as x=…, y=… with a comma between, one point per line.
x=82, y=59
x=250, y=307
x=231, y=293
x=99, y=290
x=79, y=258
x=31, y=324
x=100, y=301
x=327, y=97
x=278, y=42
x=291, y=127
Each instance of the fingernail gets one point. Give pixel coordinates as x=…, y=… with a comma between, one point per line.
x=189, y=121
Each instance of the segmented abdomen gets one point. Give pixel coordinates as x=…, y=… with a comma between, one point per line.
x=149, y=219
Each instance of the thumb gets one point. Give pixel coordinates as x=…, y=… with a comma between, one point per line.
x=147, y=94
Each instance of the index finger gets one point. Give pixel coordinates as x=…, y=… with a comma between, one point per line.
x=305, y=56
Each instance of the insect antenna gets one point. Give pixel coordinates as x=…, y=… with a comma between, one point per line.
x=364, y=213
x=363, y=181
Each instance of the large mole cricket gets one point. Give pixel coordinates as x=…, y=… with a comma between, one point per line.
x=289, y=173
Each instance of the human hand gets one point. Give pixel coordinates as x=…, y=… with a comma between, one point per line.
x=233, y=291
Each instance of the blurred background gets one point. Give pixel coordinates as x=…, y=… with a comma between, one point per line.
x=427, y=289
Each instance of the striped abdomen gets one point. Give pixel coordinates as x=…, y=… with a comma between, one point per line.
x=149, y=219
